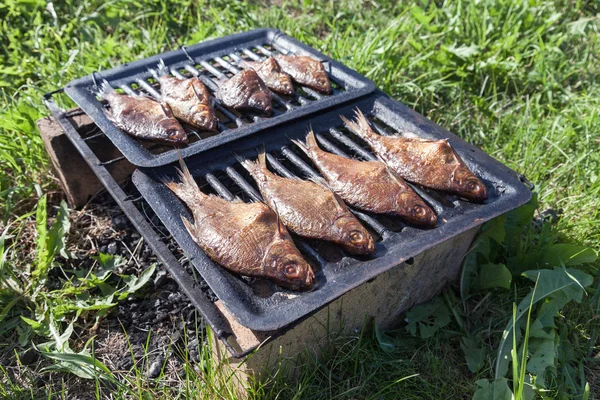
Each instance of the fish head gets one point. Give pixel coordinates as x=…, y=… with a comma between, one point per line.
x=261, y=101
x=321, y=81
x=415, y=211
x=172, y=131
x=284, y=265
x=467, y=185
x=352, y=236
x=203, y=117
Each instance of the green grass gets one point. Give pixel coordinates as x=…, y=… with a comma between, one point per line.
x=520, y=79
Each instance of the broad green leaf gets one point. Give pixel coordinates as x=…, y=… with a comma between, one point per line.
x=428, y=318
x=493, y=276
x=543, y=358
x=553, y=256
x=136, y=283
x=81, y=364
x=34, y=324
x=385, y=342
x=58, y=231
x=551, y=282
x=40, y=226
x=474, y=353
x=463, y=52
x=568, y=254
x=480, y=249
x=516, y=221
x=107, y=264
x=495, y=390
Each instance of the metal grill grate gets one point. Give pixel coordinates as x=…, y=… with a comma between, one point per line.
x=210, y=62
x=262, y=306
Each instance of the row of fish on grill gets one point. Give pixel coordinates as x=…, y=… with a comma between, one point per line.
x=188, y=100
x=253, y=239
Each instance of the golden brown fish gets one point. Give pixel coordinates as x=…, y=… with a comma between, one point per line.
x=142, y=117
x=247, y=239
x=310, y=210
x=431, y=163
x=246, y=91
x=270, y=72
x=306, y=71
x=369, y=185
x=188, y=98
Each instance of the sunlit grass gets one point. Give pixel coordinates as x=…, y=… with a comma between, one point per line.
x=518, y=79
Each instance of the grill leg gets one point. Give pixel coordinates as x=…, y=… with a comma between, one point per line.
x=383, y=300
x=78, y=181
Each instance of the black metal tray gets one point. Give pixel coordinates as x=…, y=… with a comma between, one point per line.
x=211, y=61
x=220, y=173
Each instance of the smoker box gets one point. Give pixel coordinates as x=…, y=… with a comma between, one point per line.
x=211, y=61
x=410, y=265
x=219, y=172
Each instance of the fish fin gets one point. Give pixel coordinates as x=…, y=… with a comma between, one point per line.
x=354, y=127
x=395, y=176
x=262, y=159
x=280, y=228
x=250, y=166
x=319, y=181
x=339, y=200
x=191, y=228
x=199, y=95
x=188, y=189
x=162, y=68
x=311, y=140
x=362, y=121
x=301, y=146
x=168, y=111
x=105, y=89
x=109, y=115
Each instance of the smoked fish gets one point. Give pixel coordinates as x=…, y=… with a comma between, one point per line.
x=245, y=238
x=188, y=98
x=306, y=71
x=430, y=163
x=246, y=91
x=142, y=117
x=310, y=209
x=368, y=185
x=270, y=72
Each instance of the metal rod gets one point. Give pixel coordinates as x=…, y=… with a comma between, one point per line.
x=243, y=184
x=352, y=145
x=146, y=86
x=219, y=187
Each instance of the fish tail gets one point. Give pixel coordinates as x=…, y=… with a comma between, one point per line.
x=360, y=125
x=262, y=160
x=250, y=166
x=311, y=141
x=162, y=69
x=310, y=145
x=188, y=189
x=105, y=89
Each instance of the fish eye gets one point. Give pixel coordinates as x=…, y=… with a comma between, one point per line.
x=173, y=132
x=356, y=237
x=291, y=270
x=418, y=210
x=472, y=186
